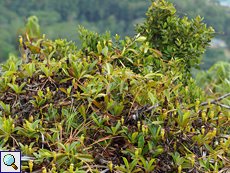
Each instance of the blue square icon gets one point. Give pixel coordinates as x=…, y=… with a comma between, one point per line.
x=10, y=162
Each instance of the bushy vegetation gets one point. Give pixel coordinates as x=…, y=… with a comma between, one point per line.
x=177, y=38
x=215, y=79
x=60, y=19
x=215, y=16
x=105, y=108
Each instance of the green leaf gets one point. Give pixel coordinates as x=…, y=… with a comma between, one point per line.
x=134, y=162
x=186, y=115
x=137, y=170
x=13, y=86
x=208, y=147
x=157, y=52
x=180, y=114
x=6, y=139
x=99, y=48
x=118, y=126
x=73, y=145
x=3, y=106
x=123, y=51
x=107, y=128
x=63, y=90
x=157, y=122
x=35, y=124
x=64, y=80
x=45, y=152
x=176, y=87
x=130, y=60
x=132, y=50
x=125, y=129
x=121, y=168
x=141, y=142
x=8, y=73
x=105, y=50
x=33, y=102
x=22, y=85
x=69, y=90
x=108, y=68
x=81, y=109
x=153, y=99
x=45, y=70
x=62, y=146
x=51, y=54
x=61, y=159
x=152, y=75
x=141, y=38
x=85, y=157
x=126, y=162
x=54, y=130
x=150, y=167
x=93, y=64
x=122, y=86
x=82, y=88
x=134, y=135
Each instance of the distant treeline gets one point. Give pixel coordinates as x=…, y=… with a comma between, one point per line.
x=60, y=19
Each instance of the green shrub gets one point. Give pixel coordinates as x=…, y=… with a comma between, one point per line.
x=105, y=108
x=177, y=38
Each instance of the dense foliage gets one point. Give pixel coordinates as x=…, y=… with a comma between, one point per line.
x=103, y=109
x=215, y=16
x=178, y=39
x=60, y=19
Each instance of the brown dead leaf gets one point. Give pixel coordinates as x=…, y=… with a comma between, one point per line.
x=117, y=52
x=102, y=139
x=159, y=54
x=66, y=103
x=96, y=104
x=112, y=117
x=71, y=71
x=75, y=86
x=47, y=105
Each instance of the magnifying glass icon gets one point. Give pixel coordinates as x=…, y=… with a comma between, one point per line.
x=9, y=160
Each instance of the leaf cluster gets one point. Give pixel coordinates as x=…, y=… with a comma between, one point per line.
x=177, y=38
